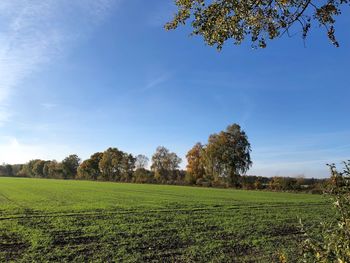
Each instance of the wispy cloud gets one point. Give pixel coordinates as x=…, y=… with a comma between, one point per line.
x=157, y=81
x=153, y=83
x=34, y=33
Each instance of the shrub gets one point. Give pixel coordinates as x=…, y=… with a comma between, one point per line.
x=333, y=244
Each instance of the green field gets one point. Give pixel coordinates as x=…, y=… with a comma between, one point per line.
x=57, y=220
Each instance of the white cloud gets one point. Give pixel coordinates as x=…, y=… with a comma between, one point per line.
x=13, y=151
x=34, y=33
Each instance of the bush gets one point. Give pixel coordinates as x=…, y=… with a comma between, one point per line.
x=333, y=245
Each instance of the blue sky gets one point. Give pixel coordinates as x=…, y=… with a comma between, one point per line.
x=78, y=76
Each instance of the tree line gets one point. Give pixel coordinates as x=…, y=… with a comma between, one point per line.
x=222, y=162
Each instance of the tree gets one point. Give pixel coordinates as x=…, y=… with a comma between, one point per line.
x=220, y=20
x=258, y=183
x=56, y=170
x=46, y=171
x=110, y=164
x=165, y=164
x=116, y=165
x=195, y=163
x=38, y=168
x=127, y=167
x=28, y=169
x=141, y=161
x=6, y=170
x=9, y=170
x=277, y=183
x=227, y=155
x=16, y=168
x=89, y=169
x=70, y=165
x=141, y=175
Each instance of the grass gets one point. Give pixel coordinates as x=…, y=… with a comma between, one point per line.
x=56, y=220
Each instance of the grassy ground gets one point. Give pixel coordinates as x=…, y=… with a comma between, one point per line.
x=58, y=220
